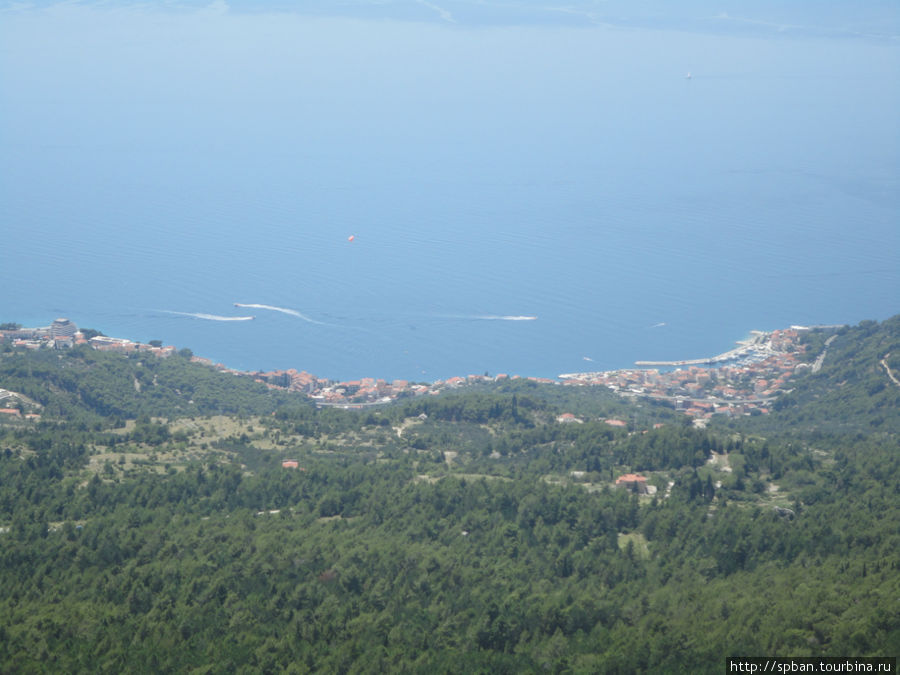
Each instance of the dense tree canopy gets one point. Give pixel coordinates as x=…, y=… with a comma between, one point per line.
x=155, y=528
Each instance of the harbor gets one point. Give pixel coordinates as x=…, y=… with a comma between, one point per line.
x=755, y=347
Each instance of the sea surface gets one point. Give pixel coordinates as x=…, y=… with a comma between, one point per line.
x=528, y=191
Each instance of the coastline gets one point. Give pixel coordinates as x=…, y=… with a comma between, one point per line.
x=742, y=380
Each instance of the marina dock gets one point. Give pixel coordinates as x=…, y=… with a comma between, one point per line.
x=750, y=347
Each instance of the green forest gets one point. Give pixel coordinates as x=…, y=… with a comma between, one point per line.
x=148, y=524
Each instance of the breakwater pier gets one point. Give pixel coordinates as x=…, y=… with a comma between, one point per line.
x=732, y=355
x=753, y=347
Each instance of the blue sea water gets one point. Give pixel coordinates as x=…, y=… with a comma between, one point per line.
x=160, y=163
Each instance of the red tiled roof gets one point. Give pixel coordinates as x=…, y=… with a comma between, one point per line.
x=630, y=478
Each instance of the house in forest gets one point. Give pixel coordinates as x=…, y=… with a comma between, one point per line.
x=633, y=482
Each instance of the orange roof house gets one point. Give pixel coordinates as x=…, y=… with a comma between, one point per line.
x=633, y=481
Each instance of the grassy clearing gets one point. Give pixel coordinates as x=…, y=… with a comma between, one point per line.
x=638, y=541
x=193, y=439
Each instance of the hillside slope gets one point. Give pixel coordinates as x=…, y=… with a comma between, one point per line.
x=472, y=532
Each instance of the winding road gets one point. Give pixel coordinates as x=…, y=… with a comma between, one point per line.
x=887, y=369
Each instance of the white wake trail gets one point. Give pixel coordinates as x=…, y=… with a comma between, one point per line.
x=209, y=317
x=487, y=317
x=283, y=310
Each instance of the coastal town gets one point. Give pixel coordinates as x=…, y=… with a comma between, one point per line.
x=743, y=381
